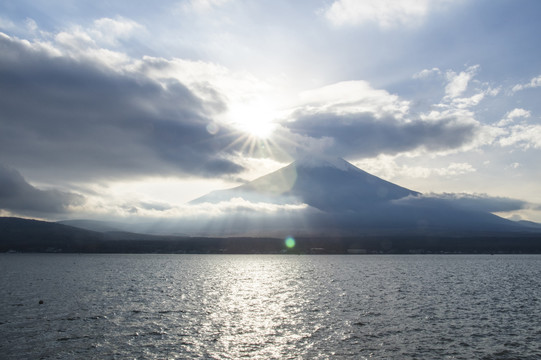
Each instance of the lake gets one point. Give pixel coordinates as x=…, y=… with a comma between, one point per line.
x=270, y=306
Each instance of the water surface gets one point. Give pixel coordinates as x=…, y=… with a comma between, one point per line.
x=270, y=306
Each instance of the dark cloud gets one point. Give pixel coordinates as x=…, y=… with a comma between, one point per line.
x=364, y=134
x=88, y=121
x=19, y=197
x=475, y=202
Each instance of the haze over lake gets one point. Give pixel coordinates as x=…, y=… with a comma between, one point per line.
x=270, y=306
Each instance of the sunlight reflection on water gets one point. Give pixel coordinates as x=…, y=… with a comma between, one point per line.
x=253, y=308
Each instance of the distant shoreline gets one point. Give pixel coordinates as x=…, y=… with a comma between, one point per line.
x=31, y=236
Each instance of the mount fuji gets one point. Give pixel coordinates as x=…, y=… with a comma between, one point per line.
x=328, y=184
x=343, y=199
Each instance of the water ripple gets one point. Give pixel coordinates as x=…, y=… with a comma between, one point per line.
x=269, y=307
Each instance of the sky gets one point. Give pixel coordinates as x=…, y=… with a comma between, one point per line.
x=130, y=109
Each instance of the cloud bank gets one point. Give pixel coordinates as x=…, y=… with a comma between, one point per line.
x=364, y=135
x=19, y=197
x=352, y=119
x=475, y=202
x=94, y=121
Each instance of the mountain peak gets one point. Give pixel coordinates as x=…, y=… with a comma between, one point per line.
x=316, y=161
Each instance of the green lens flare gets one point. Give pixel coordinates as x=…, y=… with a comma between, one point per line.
x=290, y=242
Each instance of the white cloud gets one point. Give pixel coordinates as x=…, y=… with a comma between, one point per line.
x=349, y=97
x=488, y=135
x=115, y=207
x=35, y=47
x=385, y=13
x=455, y=169
x=534, y=82
x=523, y=136
x=240, y=205
x=104, y=32
x=454, y=100
x=457, y=86
x=388, y=168
x=458, y=83
x=109, y=31
x=75, y=40
x=512, y=115
x=493, y=91
x=427, y=73
x=463, y=103
x=518, y=113
x=80, y=45
x=97, y=43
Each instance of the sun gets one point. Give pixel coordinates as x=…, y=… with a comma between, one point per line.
x=255, y=119
x=258, y=129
